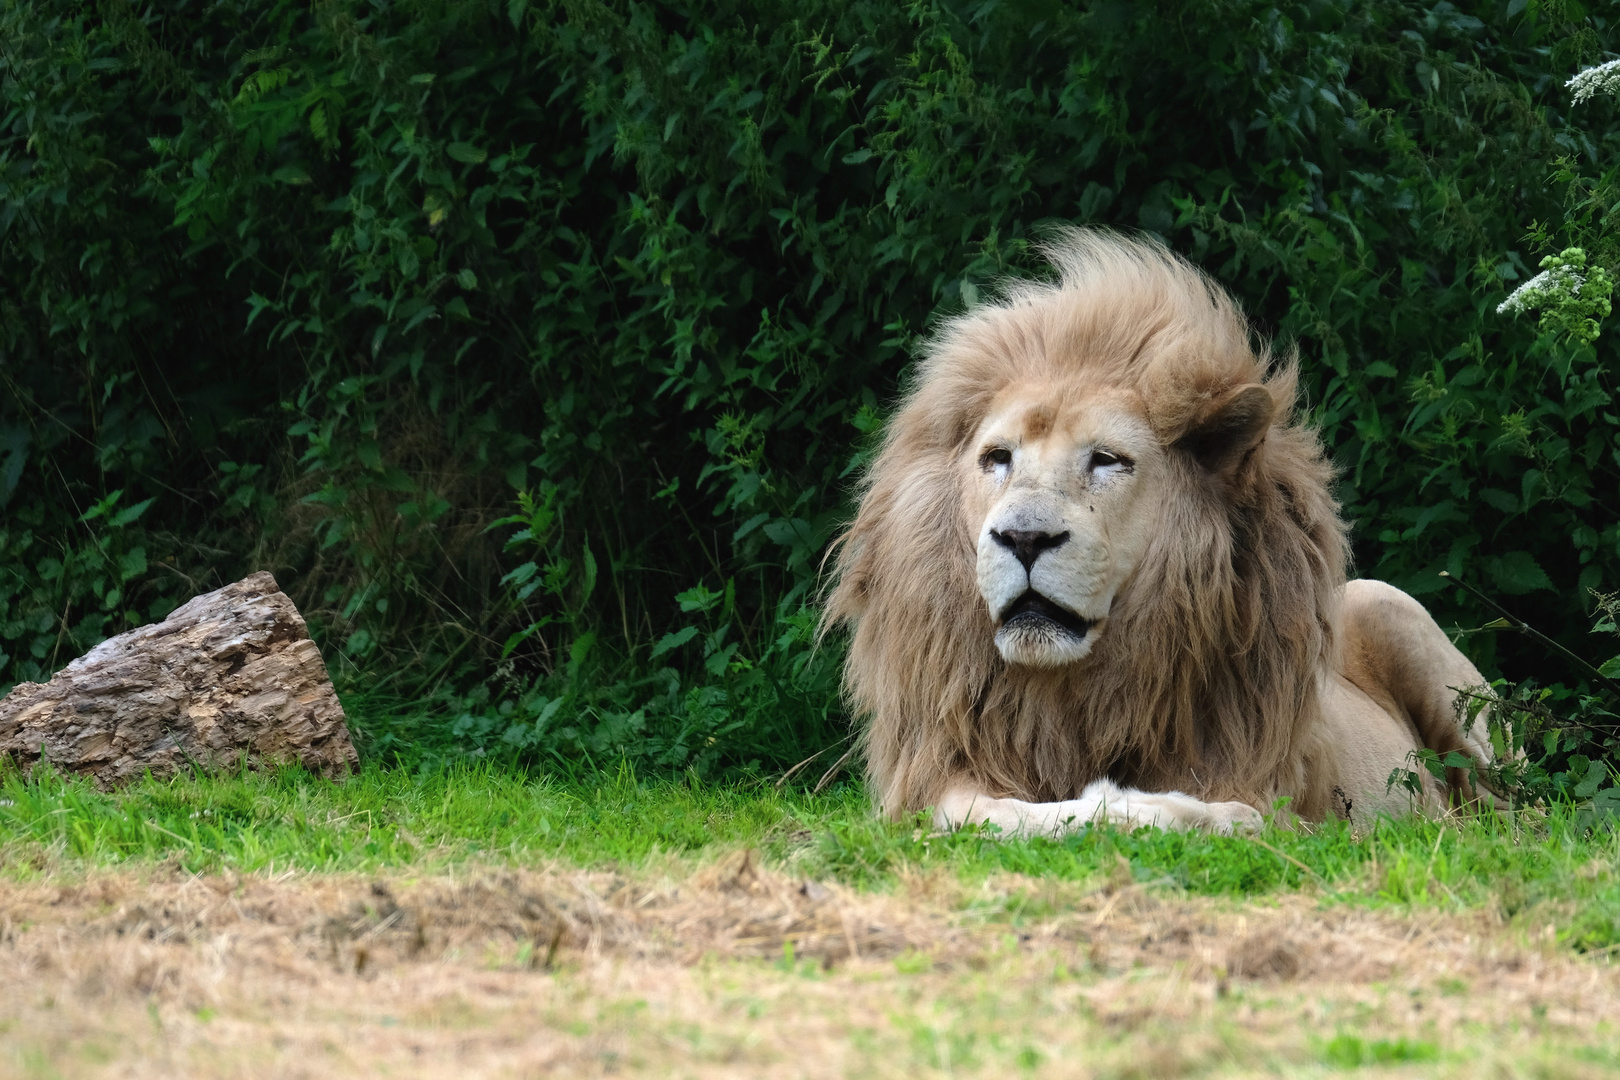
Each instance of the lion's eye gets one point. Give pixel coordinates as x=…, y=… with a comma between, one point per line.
x=1101, y=459
x=995, y=457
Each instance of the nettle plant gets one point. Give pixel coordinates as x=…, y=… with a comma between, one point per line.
x=676, y=720
x=1553, y=742
x=62, y=598
x=1549, y=742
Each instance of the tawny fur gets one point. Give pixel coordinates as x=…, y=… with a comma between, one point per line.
x=1207, y=679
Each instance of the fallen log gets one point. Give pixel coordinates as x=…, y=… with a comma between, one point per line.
x=230, y=676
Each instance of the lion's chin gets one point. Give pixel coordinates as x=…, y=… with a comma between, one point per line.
x=1042, y=644
x=1036, y=632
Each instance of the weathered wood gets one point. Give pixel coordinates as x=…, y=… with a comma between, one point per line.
x=230, y=676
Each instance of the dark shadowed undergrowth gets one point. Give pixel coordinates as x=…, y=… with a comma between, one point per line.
x=535, y=347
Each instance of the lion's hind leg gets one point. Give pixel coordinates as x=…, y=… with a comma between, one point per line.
x=1396, y=653
x=1101, y=801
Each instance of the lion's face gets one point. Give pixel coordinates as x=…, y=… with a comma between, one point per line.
x=1066, y=484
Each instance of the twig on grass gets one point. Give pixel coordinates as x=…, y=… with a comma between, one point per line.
x=827, y=777
x=551, y=949
x=184, y=840
x=791, y=773
x=1289, y=858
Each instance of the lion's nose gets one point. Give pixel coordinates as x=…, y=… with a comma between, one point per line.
x=1027, y=546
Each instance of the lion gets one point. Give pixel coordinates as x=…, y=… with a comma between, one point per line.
x=1097, y=573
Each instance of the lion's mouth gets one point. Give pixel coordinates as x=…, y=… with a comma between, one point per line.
x=1032, y=611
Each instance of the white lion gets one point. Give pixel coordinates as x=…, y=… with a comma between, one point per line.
x=1097, y=574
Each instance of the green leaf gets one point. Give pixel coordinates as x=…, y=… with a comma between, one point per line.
x=1517, y=573
x=132, y=564
x=749, y=526
x=1607, y=801
x=588, y=584
x=466, y=152
x=718, y=660
x=130, y=513
x=523, y=635
x=550, y=710
x=1595, y=775
x=789, y=532
x=320, y=123
x=698, y=598
x=102, y=506
x=426, y=312
x=580, y=650
x=673, y=641
x=520, y=574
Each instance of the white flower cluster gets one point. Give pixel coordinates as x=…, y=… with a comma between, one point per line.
x=1594, y=81
x=1554, y=284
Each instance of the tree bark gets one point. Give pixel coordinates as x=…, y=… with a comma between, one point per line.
x=231, y=676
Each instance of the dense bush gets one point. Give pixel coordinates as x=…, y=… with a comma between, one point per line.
x=533, y=347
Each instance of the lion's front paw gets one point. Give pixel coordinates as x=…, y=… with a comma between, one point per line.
x=1229, y=817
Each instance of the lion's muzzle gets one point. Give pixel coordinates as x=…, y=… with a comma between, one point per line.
x=1040, y=580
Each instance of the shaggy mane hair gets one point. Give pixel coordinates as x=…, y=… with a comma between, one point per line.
x=1206, y=678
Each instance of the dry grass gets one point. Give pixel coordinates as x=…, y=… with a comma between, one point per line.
x=739, y=970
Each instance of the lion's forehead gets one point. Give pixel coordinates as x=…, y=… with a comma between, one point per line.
x=1064, y=416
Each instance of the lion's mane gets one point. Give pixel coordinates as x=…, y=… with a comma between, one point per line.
x=1205, y=680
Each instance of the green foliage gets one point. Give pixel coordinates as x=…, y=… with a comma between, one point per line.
x=334, y=285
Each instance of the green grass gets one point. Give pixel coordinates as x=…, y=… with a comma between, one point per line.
x=380, y=819
x=1351, y=1051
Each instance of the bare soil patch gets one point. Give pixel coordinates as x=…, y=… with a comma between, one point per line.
x=736, y=969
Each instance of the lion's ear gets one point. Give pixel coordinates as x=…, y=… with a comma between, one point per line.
x=1229, y=427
